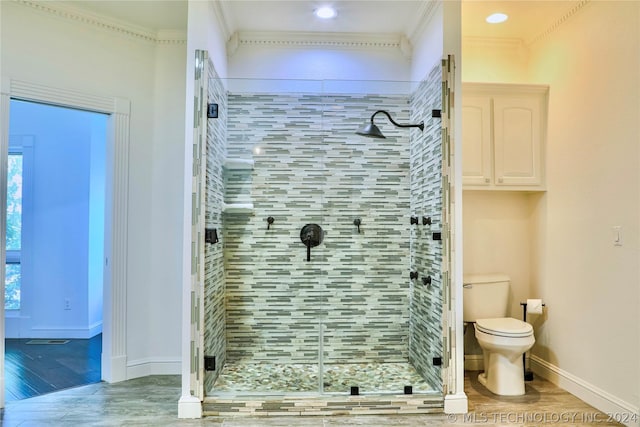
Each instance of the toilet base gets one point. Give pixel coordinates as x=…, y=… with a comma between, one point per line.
x=503, y=371
x=503, y=377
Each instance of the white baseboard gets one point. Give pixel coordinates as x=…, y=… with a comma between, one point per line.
x=456, y=403
x=621, y=411
x=95, y=329
x=19, y=327
x=473, y=362
x=153, y=366
x=189, y=407
x=114, y=369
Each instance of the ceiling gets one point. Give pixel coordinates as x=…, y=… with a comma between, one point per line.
x=357, y=16
x=528, y=18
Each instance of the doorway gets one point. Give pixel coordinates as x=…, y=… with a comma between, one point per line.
x=55, y=247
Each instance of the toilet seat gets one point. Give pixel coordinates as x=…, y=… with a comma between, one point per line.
x=504, y=327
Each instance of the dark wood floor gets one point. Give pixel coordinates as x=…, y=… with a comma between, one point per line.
x=35, y=369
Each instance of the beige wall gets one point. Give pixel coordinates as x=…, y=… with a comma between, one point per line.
x=493, y=61
x=590, y=285
x=497, y=230
x=590, y=332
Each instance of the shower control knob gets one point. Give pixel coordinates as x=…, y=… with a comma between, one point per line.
x=413, y=275
x=311, y=235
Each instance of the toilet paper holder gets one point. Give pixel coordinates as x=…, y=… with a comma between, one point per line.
x=524, y=310
x=528, y=375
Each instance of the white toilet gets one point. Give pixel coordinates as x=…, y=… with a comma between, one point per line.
x=503, y=339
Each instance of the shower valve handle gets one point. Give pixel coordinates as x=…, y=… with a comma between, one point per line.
x=311, y=235
x=308, y=243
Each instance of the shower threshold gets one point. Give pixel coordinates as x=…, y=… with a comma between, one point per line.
x=295, y=405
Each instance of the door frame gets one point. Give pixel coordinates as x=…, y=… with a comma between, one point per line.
x=114, y=354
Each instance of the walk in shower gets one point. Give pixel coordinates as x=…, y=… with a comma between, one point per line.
x=360, y=311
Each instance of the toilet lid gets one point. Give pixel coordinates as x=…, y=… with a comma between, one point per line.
x=505, y=327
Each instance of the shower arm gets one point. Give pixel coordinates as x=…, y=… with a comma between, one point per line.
x=386, y=113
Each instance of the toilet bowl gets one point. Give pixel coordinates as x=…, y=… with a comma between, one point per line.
x=503, y=341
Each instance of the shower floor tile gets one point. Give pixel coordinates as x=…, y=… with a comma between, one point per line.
x=337, y=378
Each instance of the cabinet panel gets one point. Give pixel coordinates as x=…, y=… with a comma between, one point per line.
x=517, y=141
x=503, y=136
x=476, y=140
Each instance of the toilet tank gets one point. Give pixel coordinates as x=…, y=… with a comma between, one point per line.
x=485, y=296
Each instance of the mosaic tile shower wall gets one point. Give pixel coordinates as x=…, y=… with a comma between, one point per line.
x=350, y=303
x=214, y=310
x=425, y=342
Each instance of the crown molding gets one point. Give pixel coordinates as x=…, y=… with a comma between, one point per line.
x=579, y=5
x=221, y=12
x=165, y=37
x=424, y=16
x=106, y=23
x=517, y=45
x=319, y=40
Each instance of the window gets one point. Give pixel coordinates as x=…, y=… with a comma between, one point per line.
x=14, y=232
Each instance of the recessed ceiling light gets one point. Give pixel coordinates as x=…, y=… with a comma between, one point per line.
x=325, y=12
x=497, y=18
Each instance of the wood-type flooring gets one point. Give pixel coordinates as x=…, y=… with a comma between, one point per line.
x=36, y=369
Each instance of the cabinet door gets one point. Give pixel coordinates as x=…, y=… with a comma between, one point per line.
x=517, y=140
x=476, y=140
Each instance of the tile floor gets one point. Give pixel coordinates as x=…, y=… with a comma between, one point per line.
x=155, y=404
x=337, y=378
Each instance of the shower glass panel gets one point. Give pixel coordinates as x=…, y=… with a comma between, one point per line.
x=275, y=290
x=348, y=319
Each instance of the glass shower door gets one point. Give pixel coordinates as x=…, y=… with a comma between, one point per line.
x=378, y=320
x=367, y=213
x=274, y=268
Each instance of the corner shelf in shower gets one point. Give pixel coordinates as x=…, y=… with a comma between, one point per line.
x=237, y=208
x=238, y=164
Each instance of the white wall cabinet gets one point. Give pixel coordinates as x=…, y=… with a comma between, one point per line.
x=503, y=136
